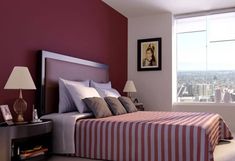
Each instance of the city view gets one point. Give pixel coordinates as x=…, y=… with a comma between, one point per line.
x=200, y=86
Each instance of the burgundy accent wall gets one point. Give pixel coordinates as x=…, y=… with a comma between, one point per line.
x=87, y=29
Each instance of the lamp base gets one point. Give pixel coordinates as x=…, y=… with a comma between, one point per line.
x=20, y=106
x=130, y=96
x=20, y=118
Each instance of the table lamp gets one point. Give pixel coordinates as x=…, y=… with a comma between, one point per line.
x=129, y=88
x=20, y=78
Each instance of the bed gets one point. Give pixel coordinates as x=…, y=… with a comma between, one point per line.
x=142, y=135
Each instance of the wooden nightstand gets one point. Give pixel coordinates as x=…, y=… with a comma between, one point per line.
x=139, y=106
x=17, y=138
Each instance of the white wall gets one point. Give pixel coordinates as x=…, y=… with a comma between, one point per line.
x=154, y=88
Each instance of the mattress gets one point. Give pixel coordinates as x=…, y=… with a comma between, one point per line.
x=151, y=136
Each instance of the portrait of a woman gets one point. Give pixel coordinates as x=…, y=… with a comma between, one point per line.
x=150, y=59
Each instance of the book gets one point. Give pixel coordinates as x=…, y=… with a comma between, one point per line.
x=33, y=153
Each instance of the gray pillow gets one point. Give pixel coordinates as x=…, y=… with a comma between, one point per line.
x=115, y=105
x=98, y=106
x=128, y=104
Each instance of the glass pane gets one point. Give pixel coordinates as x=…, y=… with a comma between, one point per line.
x=221, y=66
x=191, y=69
x=191, y=51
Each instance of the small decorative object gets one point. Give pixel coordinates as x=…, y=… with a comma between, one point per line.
x=227, y=96
x=218, y=96
x=136, y=100
x=6, y=113
x=20, y=78
x=149, y=54
x=129, y=88
x=35, y=116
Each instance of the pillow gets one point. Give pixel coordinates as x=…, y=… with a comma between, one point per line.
x=128, y=104
x=98, y=107
x=79, y=92
x=66, y=103
x=108, y=92
x=101, y=85
x=115, y=105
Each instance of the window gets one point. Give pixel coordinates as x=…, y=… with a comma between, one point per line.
x=205, y=48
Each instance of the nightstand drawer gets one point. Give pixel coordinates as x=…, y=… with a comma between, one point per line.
x=28, y=130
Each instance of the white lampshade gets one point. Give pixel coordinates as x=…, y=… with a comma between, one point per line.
x=129, y=86
x=20, y=78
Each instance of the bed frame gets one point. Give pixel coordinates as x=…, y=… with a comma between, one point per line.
x=54, y=66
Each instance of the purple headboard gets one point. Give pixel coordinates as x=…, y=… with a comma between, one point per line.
x=55, y=66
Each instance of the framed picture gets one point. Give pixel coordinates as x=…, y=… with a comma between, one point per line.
x=149, y=54
x=6, y=113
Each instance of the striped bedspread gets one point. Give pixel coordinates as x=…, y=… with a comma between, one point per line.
x=151, y=136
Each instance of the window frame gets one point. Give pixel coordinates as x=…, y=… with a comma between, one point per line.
x=175, y=56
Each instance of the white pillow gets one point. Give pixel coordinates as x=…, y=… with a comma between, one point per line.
x=108, y=92
x=66, y=103
x=101, y=85
x=79, y=92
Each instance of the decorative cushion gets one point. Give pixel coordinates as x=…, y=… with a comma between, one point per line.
x=115, y=105
x=98, y=107
x=101, y=85
x=128, y=104
x=79, y=92
x=66, y=103
x=108, y=92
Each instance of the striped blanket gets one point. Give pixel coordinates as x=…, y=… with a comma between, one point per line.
x=151, y=136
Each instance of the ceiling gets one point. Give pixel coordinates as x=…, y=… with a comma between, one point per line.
x=136, y=8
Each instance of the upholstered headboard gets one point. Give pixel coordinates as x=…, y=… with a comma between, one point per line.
x=54, y=66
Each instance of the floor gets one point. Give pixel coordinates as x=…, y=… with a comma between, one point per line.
x=62, y=158
x=225, y=151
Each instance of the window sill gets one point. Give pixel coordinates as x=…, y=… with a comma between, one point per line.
x=208, y=104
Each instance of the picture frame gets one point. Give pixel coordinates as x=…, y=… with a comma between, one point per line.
x=6, y=113
x=149, y=54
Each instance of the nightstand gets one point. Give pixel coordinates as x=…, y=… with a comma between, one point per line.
x=139, y=106
x=15, y=139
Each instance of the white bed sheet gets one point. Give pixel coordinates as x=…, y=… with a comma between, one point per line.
x=64, y=130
